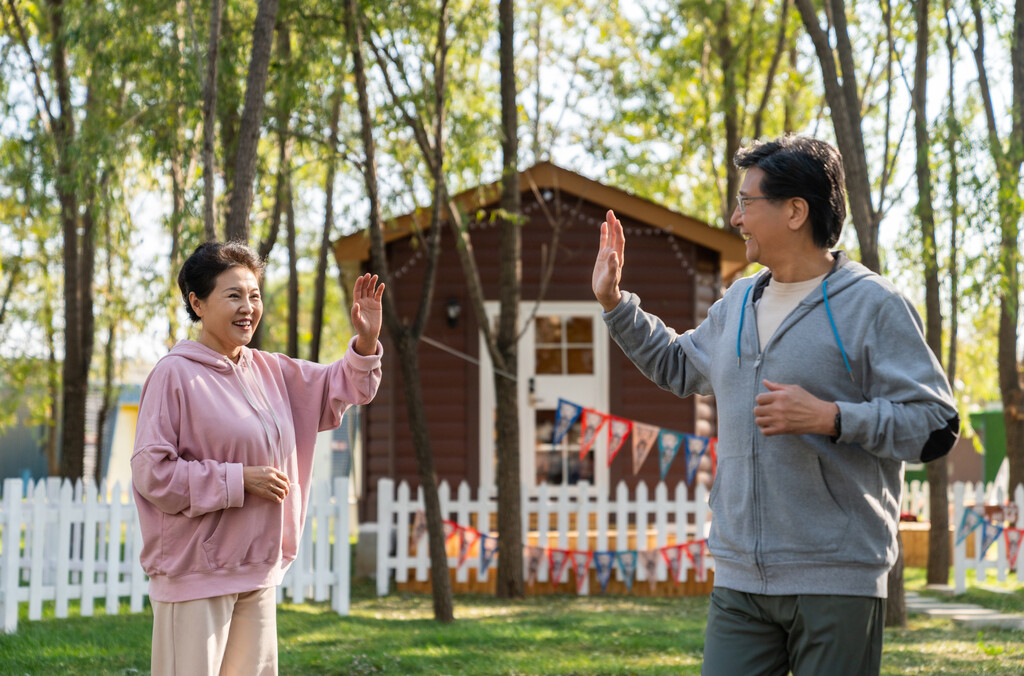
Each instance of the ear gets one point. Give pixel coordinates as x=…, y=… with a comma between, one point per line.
x=197, y=305
x=798, y=213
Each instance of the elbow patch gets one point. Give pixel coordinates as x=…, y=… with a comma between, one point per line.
x=941, y=441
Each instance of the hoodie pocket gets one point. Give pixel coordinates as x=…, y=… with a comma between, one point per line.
x=249, y=535
x=802, y=518
x=733, y=510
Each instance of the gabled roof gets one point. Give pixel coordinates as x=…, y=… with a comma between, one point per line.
x=545, y=175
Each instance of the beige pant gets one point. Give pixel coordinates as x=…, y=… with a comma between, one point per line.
x=219, y=636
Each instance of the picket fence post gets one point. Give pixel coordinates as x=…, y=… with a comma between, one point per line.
x=10, y=559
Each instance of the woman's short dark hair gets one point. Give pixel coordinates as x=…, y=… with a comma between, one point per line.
x=800, y=166
x=199, y=272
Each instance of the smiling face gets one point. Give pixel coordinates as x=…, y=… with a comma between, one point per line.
x=231, y=312
x=763, y=224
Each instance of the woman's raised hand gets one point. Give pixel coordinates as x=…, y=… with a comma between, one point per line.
x=610, y=259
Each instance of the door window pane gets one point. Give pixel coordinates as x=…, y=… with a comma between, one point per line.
x=558, y=464
x=564, y=345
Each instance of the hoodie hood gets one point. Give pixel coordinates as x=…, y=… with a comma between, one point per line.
x=195, y=351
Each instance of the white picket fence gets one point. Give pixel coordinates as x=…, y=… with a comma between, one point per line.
x=987, y=501
x=654, y=516
x=61, y=542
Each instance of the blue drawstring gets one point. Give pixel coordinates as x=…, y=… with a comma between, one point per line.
x=743, y=312
x=828, y=311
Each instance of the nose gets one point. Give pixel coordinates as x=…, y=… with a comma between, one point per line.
x=737, y=216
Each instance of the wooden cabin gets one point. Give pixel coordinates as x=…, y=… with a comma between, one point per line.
x=675, y=263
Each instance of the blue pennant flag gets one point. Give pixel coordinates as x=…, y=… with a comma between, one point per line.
x=603, y=562
x=968, y=523
x=566, y=416
x=668, y=446
x=696, y=447
x=990, y=532
x=627, y=564
x=488, y=548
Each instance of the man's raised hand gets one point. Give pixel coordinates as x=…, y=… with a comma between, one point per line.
x=610, y=259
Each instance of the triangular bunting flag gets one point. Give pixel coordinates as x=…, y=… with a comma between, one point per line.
x=618, y=430
x=673, y=557
x=968, y=523
x=419, y=529
x=695, y=449
x=565, y=417
x=532, y=558
x=697, y=551
x=581, y=568
x=593, y=421
x=644, y=437
x=990, y=532
x=451, y=529
x=467, y=538
x=649, y=562
x=1013, y=538
x=488, y=548
x=603, y=563
x=713, y=452
x=557, y=560
x=668, y=446
x=627, y=564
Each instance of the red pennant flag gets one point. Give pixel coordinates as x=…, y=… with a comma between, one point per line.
x=674, y=558
x=712, y=448
x=618, y=430
x=1013, y=538
x=644, y=439
x=581, y=568
x=557, y=560
x=451, y=529
x=697, y=551
x=593, y=421
x=467, y=538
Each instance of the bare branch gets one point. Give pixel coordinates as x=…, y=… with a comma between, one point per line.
x=37, y=80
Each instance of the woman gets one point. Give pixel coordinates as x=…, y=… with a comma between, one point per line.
x=223, y=460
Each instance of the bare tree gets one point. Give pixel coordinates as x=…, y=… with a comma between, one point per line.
x=320, y=285
x=406, y=336
x=1008, y=158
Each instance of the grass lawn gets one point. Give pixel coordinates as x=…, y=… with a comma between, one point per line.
x=541, y=635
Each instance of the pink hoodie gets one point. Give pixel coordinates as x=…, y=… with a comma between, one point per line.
x=201, y=419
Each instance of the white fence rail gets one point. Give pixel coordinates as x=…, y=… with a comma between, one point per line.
x=61, y=542
x=551, y=516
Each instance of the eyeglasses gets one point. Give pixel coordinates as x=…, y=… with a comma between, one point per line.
x=741, y=201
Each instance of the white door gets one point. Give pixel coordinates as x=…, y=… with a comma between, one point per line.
x=563, y=354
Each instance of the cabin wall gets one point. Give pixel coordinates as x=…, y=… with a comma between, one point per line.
x=676, y=279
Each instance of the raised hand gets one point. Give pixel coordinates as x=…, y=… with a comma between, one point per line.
x=367, y=313
x=610, y=259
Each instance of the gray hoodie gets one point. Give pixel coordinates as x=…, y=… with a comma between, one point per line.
x=806, y=514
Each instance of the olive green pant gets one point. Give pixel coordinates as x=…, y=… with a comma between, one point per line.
x=756, y=635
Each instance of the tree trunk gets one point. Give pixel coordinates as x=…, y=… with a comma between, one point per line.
x=209, y=122
x=510, y=582
x=237, y=224
x=938, y=476
x=293, y=274
x=109, y=396
x=845, y=105
x=317, y=323
x=405, y=345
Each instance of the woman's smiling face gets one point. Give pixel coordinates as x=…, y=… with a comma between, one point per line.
x=231, y=312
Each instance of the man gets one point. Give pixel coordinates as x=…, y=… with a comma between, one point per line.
x=825, y=386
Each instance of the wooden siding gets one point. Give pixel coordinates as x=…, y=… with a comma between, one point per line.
x=662, y=268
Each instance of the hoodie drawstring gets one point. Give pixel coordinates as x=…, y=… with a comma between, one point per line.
x=828, y=311
x=835, y=332
x=266, y=428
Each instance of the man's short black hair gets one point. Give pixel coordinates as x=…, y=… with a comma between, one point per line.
x=800, y=166
x=199, y=272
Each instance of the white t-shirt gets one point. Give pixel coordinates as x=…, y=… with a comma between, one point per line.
x=777, y=301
